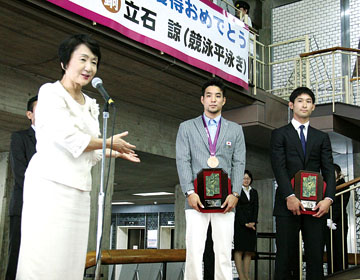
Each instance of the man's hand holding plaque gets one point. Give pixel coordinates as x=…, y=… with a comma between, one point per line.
x=194, y=201
x=323, y=206
x=230, y=203
x=309, y=189
x=294, y=205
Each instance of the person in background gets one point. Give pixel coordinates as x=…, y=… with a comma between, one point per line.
x=22, y=148
x=245, y=227
x=209, y=256
x=243, y=9
x=337, y=224
x=56, y=209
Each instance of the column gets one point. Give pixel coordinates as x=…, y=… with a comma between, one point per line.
x=6, y=183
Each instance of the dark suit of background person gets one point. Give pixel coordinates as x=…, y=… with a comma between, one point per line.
x=337, y=233
x=209, y=256
x=246, y=216
x=287, y=158
x=22, y=148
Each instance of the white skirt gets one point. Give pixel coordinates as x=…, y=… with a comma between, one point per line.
x=54, y=231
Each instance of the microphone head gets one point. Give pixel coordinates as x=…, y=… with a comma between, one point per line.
x=96, y=82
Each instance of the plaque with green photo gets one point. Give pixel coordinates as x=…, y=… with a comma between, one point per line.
x=212, y=184
x=309, y=186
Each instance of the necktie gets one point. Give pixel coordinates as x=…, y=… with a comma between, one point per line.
x=302, y=138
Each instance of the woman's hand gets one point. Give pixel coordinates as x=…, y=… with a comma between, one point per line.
x=121, y=145
x=251, y=225
x=129, y=157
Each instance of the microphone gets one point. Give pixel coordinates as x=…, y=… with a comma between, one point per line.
x=98, y=84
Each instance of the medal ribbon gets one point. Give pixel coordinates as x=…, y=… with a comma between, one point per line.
x=212, y=145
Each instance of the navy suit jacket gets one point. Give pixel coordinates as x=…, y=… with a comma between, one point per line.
x=287, y=158
x=22, y=148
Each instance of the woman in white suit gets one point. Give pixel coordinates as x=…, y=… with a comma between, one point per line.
x=56, y=211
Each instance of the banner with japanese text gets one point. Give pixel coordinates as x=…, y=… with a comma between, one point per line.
x=195, y=31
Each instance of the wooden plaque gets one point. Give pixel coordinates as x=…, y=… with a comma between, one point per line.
x=212, y=185
x=309, y=187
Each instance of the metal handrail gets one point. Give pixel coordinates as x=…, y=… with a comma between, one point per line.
x=346, y=188
x=333, y=49
x=294, y=71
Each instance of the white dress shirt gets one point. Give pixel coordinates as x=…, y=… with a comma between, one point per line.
x=212, y=125
x=247, y=191
x=297, y=125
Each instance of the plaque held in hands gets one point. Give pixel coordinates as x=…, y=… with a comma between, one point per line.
x=212, y=185
x=309, y=187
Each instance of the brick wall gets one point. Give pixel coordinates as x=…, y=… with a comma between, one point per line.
x=321, y=21
x=354, y=41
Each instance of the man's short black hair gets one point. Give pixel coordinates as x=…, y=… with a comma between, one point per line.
x=30, y=103
x=68, y=46
x=213, y=82
x=301, y=90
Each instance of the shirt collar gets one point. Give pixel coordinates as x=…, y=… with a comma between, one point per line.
x=297, y=124
x=248, y=190
x=217, y=119
x=33, y=127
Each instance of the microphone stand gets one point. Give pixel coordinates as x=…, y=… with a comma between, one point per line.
x=101, y=196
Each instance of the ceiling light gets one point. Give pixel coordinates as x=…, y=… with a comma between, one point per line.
x=122, y=203
x=153, y=193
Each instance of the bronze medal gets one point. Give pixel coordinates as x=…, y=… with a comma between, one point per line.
x=213, y=162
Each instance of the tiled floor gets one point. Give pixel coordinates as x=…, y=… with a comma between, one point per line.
x=348, y=275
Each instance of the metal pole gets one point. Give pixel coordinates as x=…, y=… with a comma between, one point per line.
x=307, y=63
x=342, y=231
x=300, y=255
x=331, y=245
x=354, y=215
x=254, y=76
x=333, y=80
x=101, y=196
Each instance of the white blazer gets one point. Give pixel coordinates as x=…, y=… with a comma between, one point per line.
x=63, y=131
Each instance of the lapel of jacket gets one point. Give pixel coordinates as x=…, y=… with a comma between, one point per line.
x=251, y=195
x=243, y=196
x=309, y=143
x=223, y=131
x=201, y=129
x=295, y=137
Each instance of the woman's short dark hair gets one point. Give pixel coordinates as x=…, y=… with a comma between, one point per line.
x=337, y=170
x=300, y=90
x=249, y=174
x=213, y=82
x=68, y=46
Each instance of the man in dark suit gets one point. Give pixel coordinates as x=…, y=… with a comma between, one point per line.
x=298, y=146
x=22, y=148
